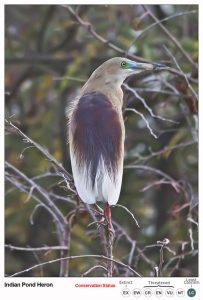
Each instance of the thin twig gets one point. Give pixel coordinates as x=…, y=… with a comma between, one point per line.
x=30, y=194
x=134, y=242
x=15, y=129
x=186, y=79
x=192, y=221
x=55, y=211
x=180, y=256
x=171, y=37
x=62, y=198
x=131, y=256
x=44, y=175
x=158, y=22
x=191, y=239
x=129, y=212
x=21, y=156
x=162, y=244
x=45, y=248
x=146, y=105
x=144, y=119
x=164, y=150
x=161, y=260
x=155, y=183
x=174, y=183
x=70, y=78
x=19, y=186
x=89, y=27
x=62, y=226
x=93, y=268
x=38, y=260
x=33, y=212
x=164, y=92
x=77, y=257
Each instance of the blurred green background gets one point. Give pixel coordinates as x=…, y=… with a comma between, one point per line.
x=48, y=55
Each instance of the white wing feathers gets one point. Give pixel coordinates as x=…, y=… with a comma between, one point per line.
x=105, y=189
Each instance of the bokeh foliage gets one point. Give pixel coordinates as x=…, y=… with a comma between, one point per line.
x=48, y=55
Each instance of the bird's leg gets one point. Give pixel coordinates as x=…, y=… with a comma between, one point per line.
x=111, y=236
x=107, y=214
x=105, y=218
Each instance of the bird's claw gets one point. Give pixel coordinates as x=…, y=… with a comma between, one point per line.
x=105, y=221
x=102, y=222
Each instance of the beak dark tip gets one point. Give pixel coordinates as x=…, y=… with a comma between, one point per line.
x=159, y=67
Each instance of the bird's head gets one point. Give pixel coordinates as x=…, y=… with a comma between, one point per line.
x=114, y=71
x=119, y=68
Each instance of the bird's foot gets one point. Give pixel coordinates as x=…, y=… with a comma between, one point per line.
x=105, y=220
x=108, y=225
x=101, y=222
x=98, y=211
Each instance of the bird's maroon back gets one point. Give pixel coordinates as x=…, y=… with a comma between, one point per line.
x=97, y=134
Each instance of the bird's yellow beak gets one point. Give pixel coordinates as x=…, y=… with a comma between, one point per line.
x=147, y=66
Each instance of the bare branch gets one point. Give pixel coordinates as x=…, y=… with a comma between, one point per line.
x=33, y=212
x=45, y=248
x=54, y=209
x=134, y=244
x=62, y=226
x=21, y=154
x=158, y=22
x=30, y=193
x=192, y=221
x=129, y=212
x=70, y=78
x=77, y=257
x=171, y=37
x=174, y=183
x=15, y=129
x=186, y=79
x=173, y=93
x=61, y=198
x=44, y=175
x=191, y=239
x=93, y=268
x=145, y=120
x=155, y=183
x=89, y=27
x=164, y=150
x=161, y=261
x=162, y=243
x=180, y=256
x=146, y=106
x=22, y=188
x=131, y=256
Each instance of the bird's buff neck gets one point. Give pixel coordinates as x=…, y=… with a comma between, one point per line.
x=110, y=87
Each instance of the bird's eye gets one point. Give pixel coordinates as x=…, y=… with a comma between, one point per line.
x=124, y=64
